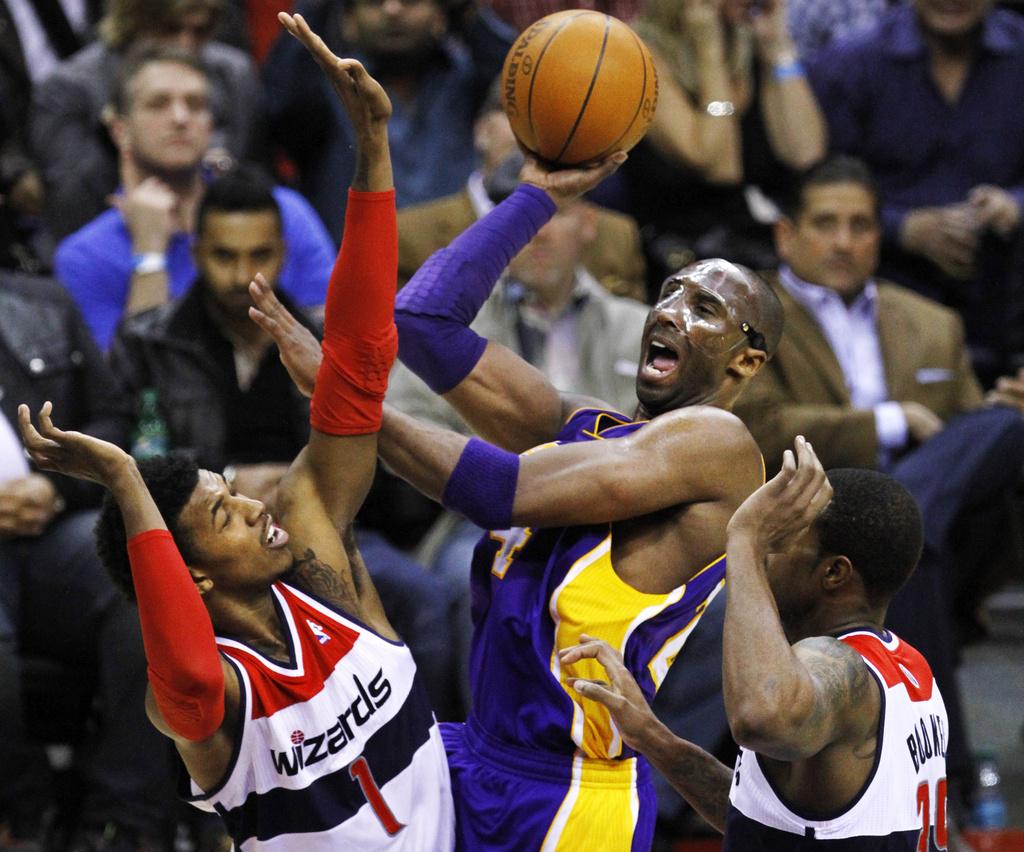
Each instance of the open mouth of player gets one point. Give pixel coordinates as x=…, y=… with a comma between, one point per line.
x=273, y=536
x=662, y=360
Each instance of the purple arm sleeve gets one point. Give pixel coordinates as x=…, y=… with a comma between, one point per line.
x=482, y=487
x=433, y=311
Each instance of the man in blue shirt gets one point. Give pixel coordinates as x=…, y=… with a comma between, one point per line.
x=930, y=99
x=138, y=255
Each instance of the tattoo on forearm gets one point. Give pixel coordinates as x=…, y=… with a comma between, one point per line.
x=704, y=782
x=321, y=579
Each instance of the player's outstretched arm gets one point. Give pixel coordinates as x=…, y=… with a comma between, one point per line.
x=193, y=693
x=697, y=776
x=786, y=702
x=326, y=485
x=500, y=396
x=713, y=458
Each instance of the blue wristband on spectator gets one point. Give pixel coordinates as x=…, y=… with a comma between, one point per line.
x=791, y=69
x=482, y=487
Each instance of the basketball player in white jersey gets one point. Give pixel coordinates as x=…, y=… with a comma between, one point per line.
x=296, y=711
x=842, y=728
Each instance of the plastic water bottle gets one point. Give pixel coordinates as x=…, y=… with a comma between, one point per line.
x=988, y=810
x=151, y=437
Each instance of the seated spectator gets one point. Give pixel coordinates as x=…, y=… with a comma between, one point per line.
x=435, y=74
x=56, y=601
x=929, y=99
x=69, y=138
x=736, y=120
x=612, y=255
x=876, y=376
x=224, y=395
x=137, y=255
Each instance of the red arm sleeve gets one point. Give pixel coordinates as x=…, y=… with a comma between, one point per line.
x=360, y=341
x=184, y=664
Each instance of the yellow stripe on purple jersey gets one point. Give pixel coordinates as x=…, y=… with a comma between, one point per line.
x=534, y=592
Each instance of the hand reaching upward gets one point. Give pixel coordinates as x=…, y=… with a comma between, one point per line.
x=364, y=99
x=71, y=453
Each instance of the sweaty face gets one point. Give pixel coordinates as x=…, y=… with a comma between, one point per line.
x=396, y=29
x=951, y=18
x=836, y=238
x=237, y=542
x=231, y=249
x=691, y=334
x=168, y=122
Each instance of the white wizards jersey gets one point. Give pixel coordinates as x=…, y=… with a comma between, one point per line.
x=902, y=805
x=337, y=749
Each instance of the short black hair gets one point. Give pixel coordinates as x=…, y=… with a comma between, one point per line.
x=171, y=479
x=837, y=169
x=243, y=189
x=874, y=522
x=140, y=57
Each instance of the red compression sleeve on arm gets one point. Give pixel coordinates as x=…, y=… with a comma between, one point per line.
x=360, y=341
x=184, y=664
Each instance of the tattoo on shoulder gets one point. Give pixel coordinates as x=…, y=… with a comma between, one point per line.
x=323, y=580
x=840, y=671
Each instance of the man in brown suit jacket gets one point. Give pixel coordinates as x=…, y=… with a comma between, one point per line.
x=804, y=391
x=876, y=376
x=614, y=257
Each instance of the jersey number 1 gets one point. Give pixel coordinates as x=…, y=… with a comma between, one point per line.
x=925, y=811
x=359, y=770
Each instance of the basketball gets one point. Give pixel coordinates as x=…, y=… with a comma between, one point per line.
x=579, y=85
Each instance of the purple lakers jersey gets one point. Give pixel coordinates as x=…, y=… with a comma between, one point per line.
x=536, y=590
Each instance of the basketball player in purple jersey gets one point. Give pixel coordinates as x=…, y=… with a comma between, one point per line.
x=606, y=524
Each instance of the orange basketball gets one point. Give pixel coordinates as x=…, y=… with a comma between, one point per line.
x=577, y=86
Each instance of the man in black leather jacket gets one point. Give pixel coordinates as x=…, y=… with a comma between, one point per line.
x=56, y=602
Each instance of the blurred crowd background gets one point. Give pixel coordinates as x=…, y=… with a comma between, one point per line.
x=867, y=156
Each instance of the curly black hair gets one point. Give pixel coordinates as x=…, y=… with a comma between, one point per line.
x=171, y=479
x=875, y=522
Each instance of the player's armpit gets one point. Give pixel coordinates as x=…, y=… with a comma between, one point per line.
x=838, y=700
x=693, y=455
x=310, y=514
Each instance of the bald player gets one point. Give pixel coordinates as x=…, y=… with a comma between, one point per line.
x=599, y=522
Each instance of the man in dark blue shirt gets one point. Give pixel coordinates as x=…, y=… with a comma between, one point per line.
x=930, y=98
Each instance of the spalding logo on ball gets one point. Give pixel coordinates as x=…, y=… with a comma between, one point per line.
x=577, y=86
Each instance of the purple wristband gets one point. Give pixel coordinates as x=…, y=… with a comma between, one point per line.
x=433, y=311
x=482, y=487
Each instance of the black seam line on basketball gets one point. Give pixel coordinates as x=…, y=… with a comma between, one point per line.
x=590, y=91
x=639, y=106
x=536, y=67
